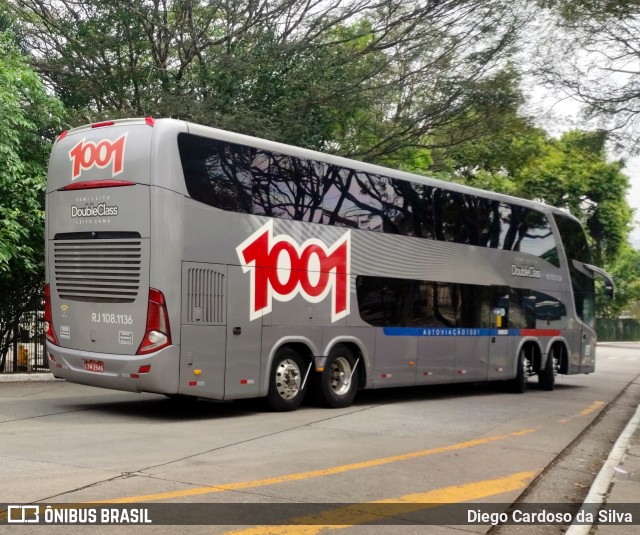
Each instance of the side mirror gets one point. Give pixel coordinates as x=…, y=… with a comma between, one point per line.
x=609, y=291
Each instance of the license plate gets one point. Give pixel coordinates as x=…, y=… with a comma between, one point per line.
x=94, y=365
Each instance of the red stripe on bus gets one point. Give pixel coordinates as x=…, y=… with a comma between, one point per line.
x=540, y=332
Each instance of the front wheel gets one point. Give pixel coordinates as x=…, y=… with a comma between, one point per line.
x=286, y=381
x=339, y=379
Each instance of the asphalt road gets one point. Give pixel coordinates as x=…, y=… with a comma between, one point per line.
x=470, y=444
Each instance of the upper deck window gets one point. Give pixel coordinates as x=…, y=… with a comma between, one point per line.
x=246, y=179
x=573, y=239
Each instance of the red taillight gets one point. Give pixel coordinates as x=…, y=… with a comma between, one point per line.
x=103, y=123
x=150, y=121
x=141, y=371
x=158, y=332
x=48, y=317
x=94, y=184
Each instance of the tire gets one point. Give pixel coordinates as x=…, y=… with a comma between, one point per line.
x=338, y=383
x=547, y=376
x=286, y=380
x=518, y=385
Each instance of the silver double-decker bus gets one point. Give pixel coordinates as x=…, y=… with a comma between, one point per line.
x=190, y=261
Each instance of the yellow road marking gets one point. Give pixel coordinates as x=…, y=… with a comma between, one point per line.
x=315, y=473
x=591, y=408
x=585, y=412
x=365, y=513
x=196, y=491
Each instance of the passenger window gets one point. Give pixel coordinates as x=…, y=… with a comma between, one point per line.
x=216, y=173
x=528, y=231
x=242, y=179
x=447, y=304
x=285, y=187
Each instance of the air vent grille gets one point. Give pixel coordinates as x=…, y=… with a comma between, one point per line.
x=98, y=270
x=205, y=296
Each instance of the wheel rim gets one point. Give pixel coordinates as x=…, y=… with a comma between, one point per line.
x=525, y=364
x=556, y=363
x=340, y=376
x=288, y=379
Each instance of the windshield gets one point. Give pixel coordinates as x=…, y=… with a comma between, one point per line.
x=577, y=249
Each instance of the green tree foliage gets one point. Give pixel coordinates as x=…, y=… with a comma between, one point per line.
x=504, y=140
x=573, y=173
x=599, y=43
x=28, y=119
x=625, y=270
x=360, y=78
x=423, y=85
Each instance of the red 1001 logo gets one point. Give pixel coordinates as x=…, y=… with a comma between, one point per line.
x=87, y=154
x=280, y=268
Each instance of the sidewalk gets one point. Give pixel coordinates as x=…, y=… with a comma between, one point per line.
x=618, y=481
x=22, y=377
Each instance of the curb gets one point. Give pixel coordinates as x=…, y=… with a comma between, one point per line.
x=601, y=486
x=26, y=377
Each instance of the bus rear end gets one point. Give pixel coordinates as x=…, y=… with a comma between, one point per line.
x=106, y=325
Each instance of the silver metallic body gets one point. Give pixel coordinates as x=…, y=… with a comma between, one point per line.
x=186, y=248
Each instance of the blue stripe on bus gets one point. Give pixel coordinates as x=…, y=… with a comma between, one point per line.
x=448, y=331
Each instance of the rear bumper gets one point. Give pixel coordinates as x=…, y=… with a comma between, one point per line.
x=121, y=372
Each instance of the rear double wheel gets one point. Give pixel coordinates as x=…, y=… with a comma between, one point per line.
x=338, y=382
x=547, y=376
x=286, y=383
x=518, y=385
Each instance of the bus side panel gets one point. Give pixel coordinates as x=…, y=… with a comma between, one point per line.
x=471, y=362
x=588, y=350
x=203, y=329
x=202, y=361
x=502, y=358
x=244, y=340
x=395, y=360
x=574, y=339
x=436, y=358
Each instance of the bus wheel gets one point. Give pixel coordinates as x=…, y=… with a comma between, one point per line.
x=285, y=383
x=340, y=378
x=547, y=377
x=518, y=385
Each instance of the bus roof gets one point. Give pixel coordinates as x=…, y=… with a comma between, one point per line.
x=243, y=139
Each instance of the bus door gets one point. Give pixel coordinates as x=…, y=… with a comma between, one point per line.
x=203, y=330
x=588, y=335
x=586, y=301
x=244, y=339
x=500, y=343
x=464, y=306
x=453, y=345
